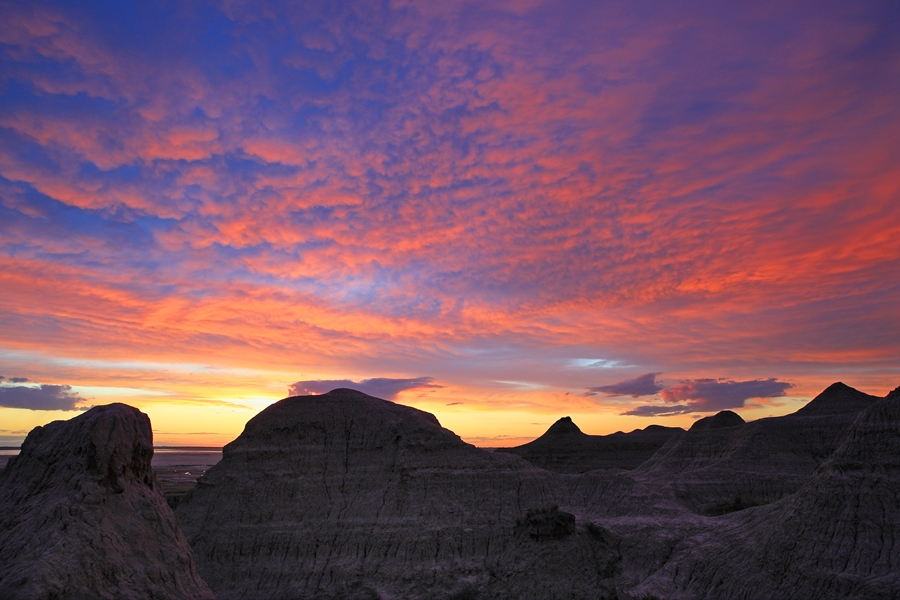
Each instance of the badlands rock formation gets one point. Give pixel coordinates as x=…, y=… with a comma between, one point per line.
x=564, y=448
x=347, y=496
x=855, y=494
x=80, y=515
x=720, y=420
x=715, y=469
x=837, y=399
x=837, y=537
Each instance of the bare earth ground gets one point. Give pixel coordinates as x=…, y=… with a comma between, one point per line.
x=177, y=469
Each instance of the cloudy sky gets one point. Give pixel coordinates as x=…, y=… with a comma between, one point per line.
x=501, y=212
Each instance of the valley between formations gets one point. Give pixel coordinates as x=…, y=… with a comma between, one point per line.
x=345, y=496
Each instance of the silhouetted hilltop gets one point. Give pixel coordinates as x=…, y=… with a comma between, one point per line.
x=563, y=428
x=564, y=448
x=837, y=399
x=725, y=418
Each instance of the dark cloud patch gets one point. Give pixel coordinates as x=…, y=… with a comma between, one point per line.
x=18, y=380
x=650, y=410
x=645, y=385
x=716, y=395
x=454, y=404
x=380, y=387
x=44, y=397
x=711, y=395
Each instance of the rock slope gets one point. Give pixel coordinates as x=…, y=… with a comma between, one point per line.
x=348, y=496
x=838, y=537
x=716, y=469
x=80, y=515
x=564, y=448
x=837, y=399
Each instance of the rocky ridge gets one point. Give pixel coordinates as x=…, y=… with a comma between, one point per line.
x=712, y=470
x=348, y=496
x=835, y=538
x=564, y=448
x=81, y=517
x=344, y=495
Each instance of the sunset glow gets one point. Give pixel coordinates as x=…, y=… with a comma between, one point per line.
x=502, y=213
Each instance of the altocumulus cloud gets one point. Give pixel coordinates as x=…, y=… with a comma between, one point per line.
x=711, y=395
x=43, y=397
x=380, y=387
x=645, y=385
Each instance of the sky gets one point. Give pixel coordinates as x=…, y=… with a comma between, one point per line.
x=628, y=212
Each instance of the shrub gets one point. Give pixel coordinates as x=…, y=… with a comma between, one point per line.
x=467, y=593
x=547, y=523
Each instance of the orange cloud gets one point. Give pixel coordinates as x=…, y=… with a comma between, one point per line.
x=476, y=195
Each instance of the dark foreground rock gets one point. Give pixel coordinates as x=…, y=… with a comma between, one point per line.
x=348, y=496
x=344, y=496
x=81, y=517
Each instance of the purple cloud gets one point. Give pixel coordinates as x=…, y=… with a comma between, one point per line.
x=645, y=385
x=45, y=397
x=380, y=387
x=18, y=380
x=711, y=395
x=649, y=185
x=649, y=410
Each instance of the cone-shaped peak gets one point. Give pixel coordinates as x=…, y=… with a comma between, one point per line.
x=837, y=399
x=565, y=426
x=838, y=387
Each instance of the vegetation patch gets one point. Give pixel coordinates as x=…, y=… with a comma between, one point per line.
x=548, y=523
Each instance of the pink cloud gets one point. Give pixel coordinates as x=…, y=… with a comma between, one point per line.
x=651, y=187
